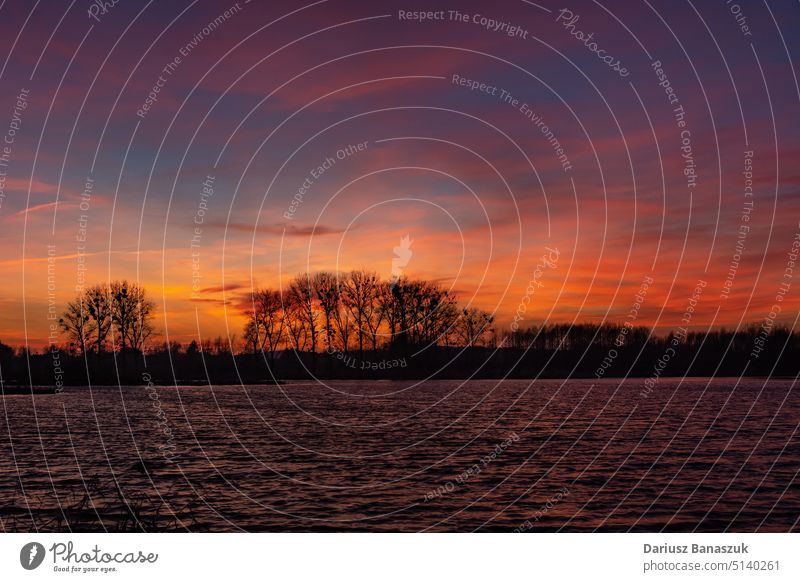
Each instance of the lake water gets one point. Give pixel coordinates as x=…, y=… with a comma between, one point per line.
x=399, y=456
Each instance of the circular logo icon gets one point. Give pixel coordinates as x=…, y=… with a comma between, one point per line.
x=31, y=555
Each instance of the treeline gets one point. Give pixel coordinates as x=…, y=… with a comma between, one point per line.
x=551, y=351
x=613, y=350
x=354, y=325
x=336, y=312
x=316, y=312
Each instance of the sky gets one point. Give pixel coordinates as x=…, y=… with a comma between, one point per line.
x=207, y=148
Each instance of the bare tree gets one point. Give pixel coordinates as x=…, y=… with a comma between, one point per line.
x=423, y=313
x=142, y=310
x=359, y=296
x=121, y=307
x=265, y=327
x=344, y=328
x=437, y=313
x=131, y=314
x=474, y=326
x=121, y=312
x=328, y=293
x=98, y=306
x=373, y=314
x=302, y=298
x=76, y=324
x=386, y=306
x=251, y=338
x=395, y=303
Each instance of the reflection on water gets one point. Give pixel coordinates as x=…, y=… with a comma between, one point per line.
x=443, y=455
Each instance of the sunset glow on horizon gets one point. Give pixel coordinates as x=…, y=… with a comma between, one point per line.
x=251, y=144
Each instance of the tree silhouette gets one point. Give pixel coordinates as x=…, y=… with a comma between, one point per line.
x=120, y=309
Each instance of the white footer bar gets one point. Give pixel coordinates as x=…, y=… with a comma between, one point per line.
x=400, y=557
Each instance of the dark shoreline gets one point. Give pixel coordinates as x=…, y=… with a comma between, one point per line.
x=16, y=389
x=582, y=352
